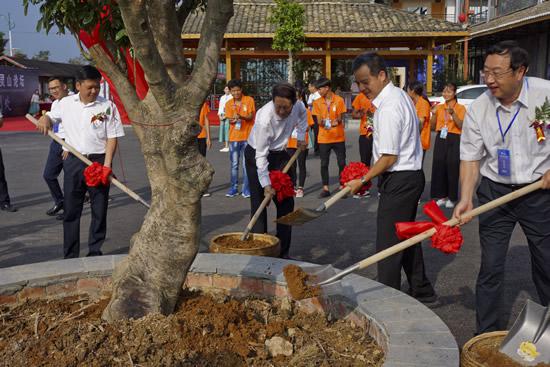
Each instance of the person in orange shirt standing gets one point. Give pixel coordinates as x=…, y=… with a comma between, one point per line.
x=292, y=145
x=203, y=139
x=416, y=91
x=329, y=109
x=240, y=111
x=447, y=121
x=364, y=109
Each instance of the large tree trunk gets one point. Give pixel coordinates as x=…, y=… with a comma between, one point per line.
x=291, y=76
x=150, y=279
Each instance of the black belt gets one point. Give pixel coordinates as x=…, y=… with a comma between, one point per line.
x=92, y=155
x=512, y=187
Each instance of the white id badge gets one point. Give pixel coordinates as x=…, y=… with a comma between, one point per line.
x=443, y=133
x=328, y=124
x=238, y=125
x=295, y=133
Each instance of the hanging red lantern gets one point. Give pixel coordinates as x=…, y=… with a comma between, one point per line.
x=462, y=17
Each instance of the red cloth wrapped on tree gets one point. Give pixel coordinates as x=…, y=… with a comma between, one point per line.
x=354, y=171
x=446, y=238
x=282, y=184
x=96, y=174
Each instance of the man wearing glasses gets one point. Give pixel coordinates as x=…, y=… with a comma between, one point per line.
x=501, y=143
x=54, y=162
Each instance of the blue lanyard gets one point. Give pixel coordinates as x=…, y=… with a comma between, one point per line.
x=509, y=125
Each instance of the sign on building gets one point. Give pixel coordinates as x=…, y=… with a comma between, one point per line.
x=16, y=88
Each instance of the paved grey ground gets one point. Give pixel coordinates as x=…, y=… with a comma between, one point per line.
x=342, y=237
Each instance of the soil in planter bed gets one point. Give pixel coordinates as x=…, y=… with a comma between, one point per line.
x=488, y=354
x=205, y=330
x=296, y=280
x=235, y=242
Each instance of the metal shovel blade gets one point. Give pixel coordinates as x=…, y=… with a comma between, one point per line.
x=300, y=216
x=530, y=322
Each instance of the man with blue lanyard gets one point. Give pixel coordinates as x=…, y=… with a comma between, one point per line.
x=500, y=142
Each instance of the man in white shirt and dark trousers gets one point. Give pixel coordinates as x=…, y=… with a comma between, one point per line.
x=92, y=125
x=397, y=157
x=54, y=162
x=500, y=143
x=266, y=151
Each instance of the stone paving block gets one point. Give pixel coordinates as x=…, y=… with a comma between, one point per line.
x=11, y=280
x=98, y=265
x=424, y=356
x=416, y=326
x=50, y=272
x=423, y=340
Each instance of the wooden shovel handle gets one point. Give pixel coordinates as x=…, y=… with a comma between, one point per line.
x=452, y=222
x=340, y=194
x=88, y=162
x=267, y=198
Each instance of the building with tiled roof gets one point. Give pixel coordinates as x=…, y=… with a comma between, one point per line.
x=334, y=30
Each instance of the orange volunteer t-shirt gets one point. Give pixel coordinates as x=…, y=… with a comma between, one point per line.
x=331, y=110
x=293, y=142
x=205, y=110
x=443, y=118
x=362, y=102
x=423, y=113
x=232, y=108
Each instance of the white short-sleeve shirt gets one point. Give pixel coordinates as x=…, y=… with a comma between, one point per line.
x=396, y=129
x=88, y=135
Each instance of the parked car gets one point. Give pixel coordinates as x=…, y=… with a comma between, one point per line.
x=465, y=94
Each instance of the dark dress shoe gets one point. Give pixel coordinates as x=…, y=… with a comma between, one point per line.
x=55, y=209
x=94, y=253
x=60, y=216
x=324, y=194
x=7, y=207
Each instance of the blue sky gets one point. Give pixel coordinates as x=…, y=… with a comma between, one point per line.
x=25, y=37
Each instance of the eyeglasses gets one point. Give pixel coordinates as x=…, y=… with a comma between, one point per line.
x=488, y=73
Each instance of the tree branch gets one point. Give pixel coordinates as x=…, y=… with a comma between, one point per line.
x=218, y=13
x=167, y=37
x=186, y=7
x=125, y=89
x=139, y=31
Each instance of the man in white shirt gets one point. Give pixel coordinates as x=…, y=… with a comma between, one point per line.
x=224, y=123
x=314, y=95
x=397, y=157
x=266, y=151
x=5, y=204
x=92, y=125
x=54, y=161
x=500, y=143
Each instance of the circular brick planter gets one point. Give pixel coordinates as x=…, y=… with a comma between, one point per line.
x=410, y=333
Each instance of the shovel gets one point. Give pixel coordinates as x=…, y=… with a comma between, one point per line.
x=427, y=234
x=530, y=326
x=267, y=198
x=77, y=154
x=301, y=215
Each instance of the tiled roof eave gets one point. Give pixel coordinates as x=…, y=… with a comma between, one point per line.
x=510, y=24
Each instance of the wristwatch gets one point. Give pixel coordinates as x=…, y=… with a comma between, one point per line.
x=363, y=181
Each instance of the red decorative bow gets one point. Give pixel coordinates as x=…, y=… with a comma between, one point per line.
x=354, y=171
x=282, y=184
x=446, y=238
x=96, y=174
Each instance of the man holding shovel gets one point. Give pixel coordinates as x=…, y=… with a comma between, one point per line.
x=266, y=151
x=92, y=126
x=397, y=157
x=503, y=140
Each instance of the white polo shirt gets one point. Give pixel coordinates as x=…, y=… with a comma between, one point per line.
x=396, y=129
x=86, y=136
x=270, y=132
x=223, y=101
x=481, y=137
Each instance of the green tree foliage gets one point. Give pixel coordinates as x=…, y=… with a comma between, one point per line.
x=42, y=55
x=289, y=18
x=18, y=54
x=80, y=60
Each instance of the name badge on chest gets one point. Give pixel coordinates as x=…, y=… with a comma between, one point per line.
x=443, y=132
x=503, y=162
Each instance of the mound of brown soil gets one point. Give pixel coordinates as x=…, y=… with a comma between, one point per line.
x=297, y=283
x=235, y=242
x=204, y=331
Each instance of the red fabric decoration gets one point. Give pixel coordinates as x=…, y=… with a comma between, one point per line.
x=406, y=230
x=462, y=18
x=93, y=174
x=447, y=239
x=354, y=171
x=282, y=184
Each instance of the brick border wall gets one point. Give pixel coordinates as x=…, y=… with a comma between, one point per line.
x=410, y=333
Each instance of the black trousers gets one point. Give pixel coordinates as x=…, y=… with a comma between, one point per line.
x=277, y=161
x=532, y=212
x=75, y=188
x=324, y=151
x=365, y=149
x=446, y=167
x=302, y=170
x=52, y=169
x=316, y=131
x=4, y=196
x=399, y=194
x=202, y=146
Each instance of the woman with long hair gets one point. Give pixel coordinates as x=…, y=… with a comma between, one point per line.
x=447, y=121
